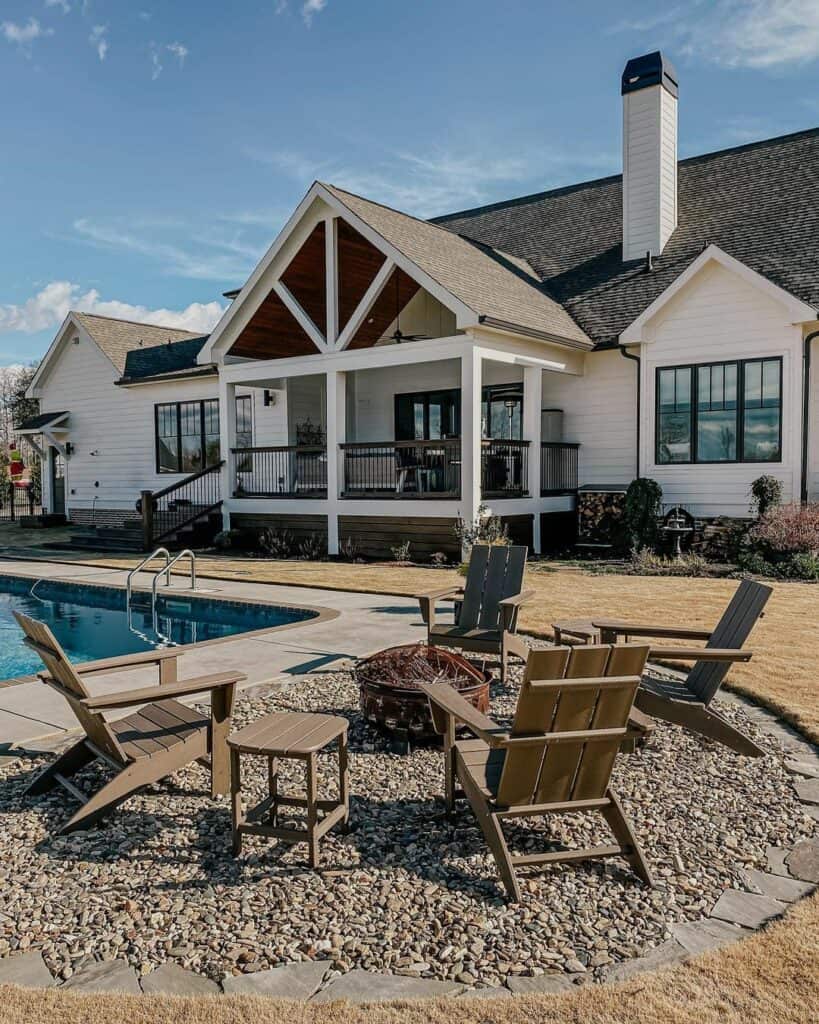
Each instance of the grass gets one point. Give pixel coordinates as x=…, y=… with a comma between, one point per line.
x=770, y=977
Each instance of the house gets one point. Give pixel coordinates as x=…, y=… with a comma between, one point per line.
x=402, y=372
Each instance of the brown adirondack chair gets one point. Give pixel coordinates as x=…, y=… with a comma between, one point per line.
x=487, y=606
x=688, y=703
x=557, y=758
x=143, y=747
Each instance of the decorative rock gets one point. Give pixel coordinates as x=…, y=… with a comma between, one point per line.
x=172, y=980
x=775, y=860
x=669, y=954
x=365, y=987
x=105, y=976
x=701, y=936
x=551, y=983
x=804, y=766
x=28, y=971
x=788, y=890
x=292, y=981
x=746, y=909
x=808, y=791
x=803, y=860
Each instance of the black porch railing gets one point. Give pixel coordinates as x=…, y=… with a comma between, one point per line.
x=504, y=469
x=280, y=471
x=166, y=511
x=558, y=467
x=402, y=469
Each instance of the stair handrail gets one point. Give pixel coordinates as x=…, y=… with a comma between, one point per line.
x=148, y=500
x=166, y=572
x=145, y=561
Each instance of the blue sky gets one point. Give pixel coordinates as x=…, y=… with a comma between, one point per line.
x=150, y=151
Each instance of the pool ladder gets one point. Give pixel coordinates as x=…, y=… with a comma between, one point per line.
x=164, y=571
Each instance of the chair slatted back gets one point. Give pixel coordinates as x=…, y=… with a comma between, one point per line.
x=552, y=772
x=495, y=572
x=732, y=630
x=64, y=679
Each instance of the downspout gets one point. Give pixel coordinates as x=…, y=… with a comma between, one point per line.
x=806, y=415
x=636, y=359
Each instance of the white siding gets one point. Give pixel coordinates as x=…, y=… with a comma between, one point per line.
x=118, y=424
x=719, y=316
x=649, y=170
x=599, y=411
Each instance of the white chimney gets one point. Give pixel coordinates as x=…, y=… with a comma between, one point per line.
x=649, y=88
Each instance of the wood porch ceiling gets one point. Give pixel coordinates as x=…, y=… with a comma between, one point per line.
x=274, y=333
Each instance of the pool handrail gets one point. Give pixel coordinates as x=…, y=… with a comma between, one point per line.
x=166, y=572
x=145, y=561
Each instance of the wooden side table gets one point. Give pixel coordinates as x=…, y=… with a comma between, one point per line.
x=577, y=629
x=299, y=736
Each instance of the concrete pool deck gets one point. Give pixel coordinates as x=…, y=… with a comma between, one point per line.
x=31, y=711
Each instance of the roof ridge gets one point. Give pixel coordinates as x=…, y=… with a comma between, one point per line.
x=577, y=185
x=138, y=323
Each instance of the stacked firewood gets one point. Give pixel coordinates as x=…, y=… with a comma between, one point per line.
x=599, y=516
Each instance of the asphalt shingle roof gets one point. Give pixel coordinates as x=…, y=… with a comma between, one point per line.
x=759, y=203
x=489, y=282
x=143, y=350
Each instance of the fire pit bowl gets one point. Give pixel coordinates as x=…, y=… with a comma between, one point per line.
x=389, y=684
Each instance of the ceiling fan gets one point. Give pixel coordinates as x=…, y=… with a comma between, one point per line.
x=398, y=335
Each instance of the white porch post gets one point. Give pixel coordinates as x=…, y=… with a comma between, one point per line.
x=336, y=435
x=331, y=265
x=532, y=404
x=471, y=380
x=227, y=441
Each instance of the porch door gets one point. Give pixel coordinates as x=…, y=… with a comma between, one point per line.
x=57, y=464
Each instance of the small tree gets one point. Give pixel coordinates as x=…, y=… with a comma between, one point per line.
x=641, y=513
x=766, y=493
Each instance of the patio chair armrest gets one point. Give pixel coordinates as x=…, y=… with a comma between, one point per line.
x=428, y=600
x=516, y=645
x=446, y=703
x=147, y=694
x=509, y=606
x=699, y=654
x=616, y=627
x=126, y=661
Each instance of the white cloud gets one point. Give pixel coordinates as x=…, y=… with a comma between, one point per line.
x=49, y=307
x=98, y=40
x=310, y=8
x=156, y=63
x=24, y=35
x=442, y=180
x=755, y=34
x=179, y=50
x=64, y=5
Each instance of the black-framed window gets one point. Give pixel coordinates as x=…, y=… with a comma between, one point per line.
x=187, y=433
x=502, y=411
x=719, y=412
x=428, y=415
x=244, y=430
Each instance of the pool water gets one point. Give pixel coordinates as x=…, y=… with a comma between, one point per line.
x=92, y=622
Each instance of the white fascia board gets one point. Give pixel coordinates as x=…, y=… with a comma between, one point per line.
x=431, y=350
x=522, y=351
x=797, y=310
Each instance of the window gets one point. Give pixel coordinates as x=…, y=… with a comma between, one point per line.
x=244, y=431
x=187, y=433
x=720, y=412
x=430, y=416
x=502, y=412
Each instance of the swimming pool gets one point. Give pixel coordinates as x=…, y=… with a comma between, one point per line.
x=92, y=621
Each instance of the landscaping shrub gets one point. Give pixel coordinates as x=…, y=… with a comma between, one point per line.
x=313, y=548
x=645, y=562
x=438, y=559
x=641, y=514
x=766, y=493
x=277, y=543
x=401, y=553
x=350, y=550
x=788, y=529
x=485, y=529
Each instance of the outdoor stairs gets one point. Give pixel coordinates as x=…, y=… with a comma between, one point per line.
x=128, y=537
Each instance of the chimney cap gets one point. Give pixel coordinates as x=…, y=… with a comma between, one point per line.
x=650, y=69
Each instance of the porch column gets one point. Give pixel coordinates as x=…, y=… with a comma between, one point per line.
x=471, y=380
x=532, y=404
x=227, y=441
x=336, y=435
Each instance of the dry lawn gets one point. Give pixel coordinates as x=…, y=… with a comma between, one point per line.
x=773, y=978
